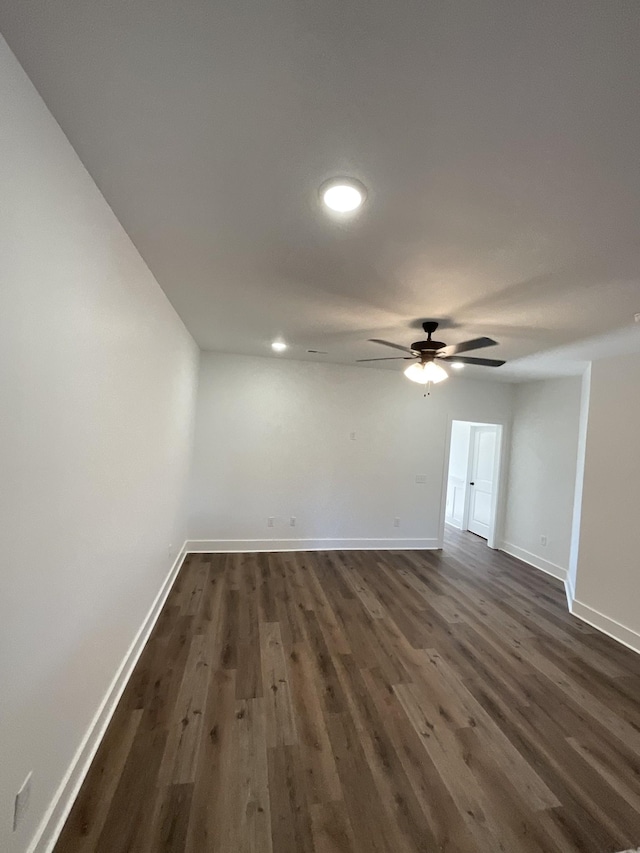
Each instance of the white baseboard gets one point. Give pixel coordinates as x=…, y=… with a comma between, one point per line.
x=608, y=626
x=230, y=546
x=53, y=821
x=453, y=522
x=537, y=562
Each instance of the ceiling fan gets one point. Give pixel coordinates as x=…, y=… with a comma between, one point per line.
x=425, y=369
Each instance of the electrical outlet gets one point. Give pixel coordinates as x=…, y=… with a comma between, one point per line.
x=292, y=521
x=543, y=540
x=21, y=803
x=636, y=317
x=270, y=521
x=352, y=436
x=421, y=478
x=170, y=550
x=396, y=522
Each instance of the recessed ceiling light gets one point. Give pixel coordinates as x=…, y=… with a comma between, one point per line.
x=278, y=346
x=343, y=195
x=457, y=364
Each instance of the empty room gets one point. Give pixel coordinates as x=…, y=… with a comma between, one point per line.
x=320, y=389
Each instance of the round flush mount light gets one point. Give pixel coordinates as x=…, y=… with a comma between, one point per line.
x=278, y=346
x=343, y=195
x=425, y=373
x=458, y=365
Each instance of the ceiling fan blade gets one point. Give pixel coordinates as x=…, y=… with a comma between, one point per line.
x=465, y=346
x=484, y=362
x=389, y=344
x=389, y=358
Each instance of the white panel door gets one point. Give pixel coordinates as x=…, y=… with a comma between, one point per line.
x=481, y=472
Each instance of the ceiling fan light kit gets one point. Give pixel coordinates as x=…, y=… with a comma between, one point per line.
x=426, y=369
x=426, y=372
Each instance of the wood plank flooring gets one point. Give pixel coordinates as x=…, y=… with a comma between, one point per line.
x=374, y=702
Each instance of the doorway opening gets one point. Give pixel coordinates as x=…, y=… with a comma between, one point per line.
x=473, y=479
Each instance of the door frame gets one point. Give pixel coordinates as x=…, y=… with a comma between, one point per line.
x=496, y=526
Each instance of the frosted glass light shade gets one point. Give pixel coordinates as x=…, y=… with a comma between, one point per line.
x=424, y=373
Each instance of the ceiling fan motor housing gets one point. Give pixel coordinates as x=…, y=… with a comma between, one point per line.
x=428, y=347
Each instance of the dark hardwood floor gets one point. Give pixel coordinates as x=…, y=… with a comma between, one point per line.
x=378, y=702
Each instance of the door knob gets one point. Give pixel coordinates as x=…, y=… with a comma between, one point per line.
x=472, y=484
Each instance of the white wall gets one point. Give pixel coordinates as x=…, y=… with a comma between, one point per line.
x=607, y=584
x=97, y=382
x=542, y=472
x=273, y=439
x=457, y=478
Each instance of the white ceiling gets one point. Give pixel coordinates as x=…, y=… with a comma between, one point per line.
x=499, y=142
